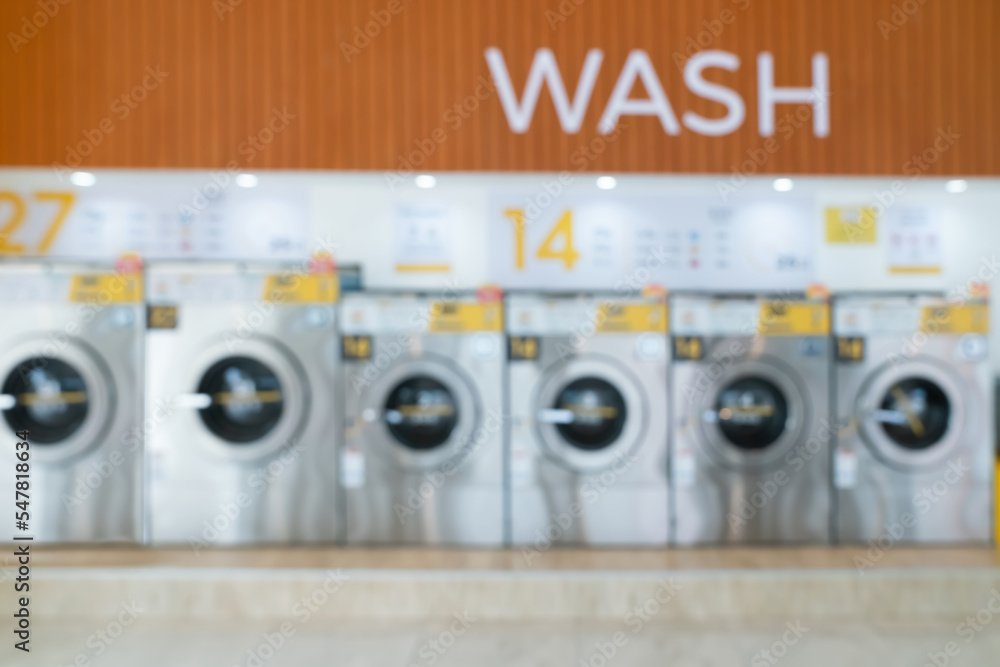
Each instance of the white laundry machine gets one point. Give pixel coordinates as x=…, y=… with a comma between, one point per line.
x=423, y=452
x=242, y=365
x=914, y=457
x=587, y=390
x=71, y=364
x=750, y=454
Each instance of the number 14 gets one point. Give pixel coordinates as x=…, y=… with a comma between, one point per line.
x=547, y=250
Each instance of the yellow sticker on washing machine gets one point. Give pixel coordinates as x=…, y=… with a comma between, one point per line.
x=780, y=318
x=301, y=288
x=955, y=319
x=356, y=348
x=457, y=317
x=523, y=348
x=629, y=317
x=688, y=348
x=105, y=288
x=161, y=317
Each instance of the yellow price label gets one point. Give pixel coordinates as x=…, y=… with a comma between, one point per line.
x=105, y=288
x=955, y=319
x=780, y=318
x=455, y=317
x=618, y=318
x=297, y=288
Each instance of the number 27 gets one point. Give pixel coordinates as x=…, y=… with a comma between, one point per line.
x=18, y=215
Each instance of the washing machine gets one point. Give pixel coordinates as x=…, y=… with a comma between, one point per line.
x=71, y=351
x=913, y=397
x=243, y=406
x=587, y=390
x=750, y=455
x=423, y=452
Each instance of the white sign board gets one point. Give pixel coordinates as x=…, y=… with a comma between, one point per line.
x=423, y=238
x=98, y=224
x=914, y=241
x=680, y=242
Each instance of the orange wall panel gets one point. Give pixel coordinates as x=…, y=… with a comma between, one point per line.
x=231, y=64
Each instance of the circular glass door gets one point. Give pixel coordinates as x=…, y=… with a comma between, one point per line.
x=752, y=413
x=421, y=412
x=50, y=399
x=246, y=399
x=589, y=413
x=914, y=413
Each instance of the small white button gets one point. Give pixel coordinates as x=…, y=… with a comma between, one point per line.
x=651, y=346
x=485, y=346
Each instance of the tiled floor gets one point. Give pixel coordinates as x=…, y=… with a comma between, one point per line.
x=157, y=643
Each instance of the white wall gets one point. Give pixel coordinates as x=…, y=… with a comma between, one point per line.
x=356, y=211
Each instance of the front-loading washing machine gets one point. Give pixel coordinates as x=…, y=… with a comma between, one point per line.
x=423, y=451
x=71, y=351
x=913, y=459
x=242, y=370
x=750, y=455
x=587, y=391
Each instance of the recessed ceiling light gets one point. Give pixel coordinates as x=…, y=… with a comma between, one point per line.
x=783, y=184
x=607, y=182
x=956, y=186
x=247, y=181
x=84, y=179
x=425, y=181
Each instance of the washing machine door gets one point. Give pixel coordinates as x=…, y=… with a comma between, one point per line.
x=754, y=414
x=251, y=400
x=422, y=413
x=65, y=400
x=590, y=413
x=911, y=415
